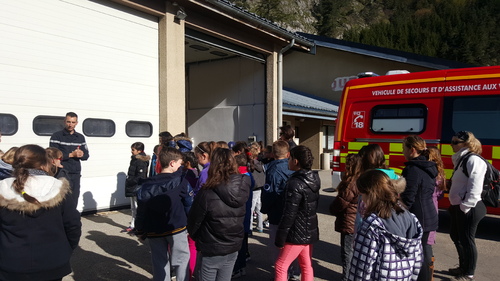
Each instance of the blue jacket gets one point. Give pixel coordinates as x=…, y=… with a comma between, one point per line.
x=162, y=203
x=248, y=207
x=5, y=170
x=273, y=193
x=152, y=171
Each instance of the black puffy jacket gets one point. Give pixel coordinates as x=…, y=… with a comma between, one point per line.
x=299, y=223
x=137, y=170
x=215, y=221
x=420, y=175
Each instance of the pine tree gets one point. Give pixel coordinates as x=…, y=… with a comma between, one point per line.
x=460, y=30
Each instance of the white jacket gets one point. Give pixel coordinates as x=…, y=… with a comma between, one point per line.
x=466, y=191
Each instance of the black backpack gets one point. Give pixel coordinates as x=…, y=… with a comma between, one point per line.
x=491, y=185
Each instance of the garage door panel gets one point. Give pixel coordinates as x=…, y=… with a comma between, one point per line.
x=92, y=57
x=77, y=49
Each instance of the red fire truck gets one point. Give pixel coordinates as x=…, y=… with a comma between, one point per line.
x=432, y=104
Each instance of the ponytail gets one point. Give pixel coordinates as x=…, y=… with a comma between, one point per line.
x=21, y=175
x=28, y=159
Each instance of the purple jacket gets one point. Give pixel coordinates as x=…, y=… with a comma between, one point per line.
x=202, y=179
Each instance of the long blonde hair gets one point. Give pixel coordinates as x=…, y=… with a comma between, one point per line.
x=470, y=141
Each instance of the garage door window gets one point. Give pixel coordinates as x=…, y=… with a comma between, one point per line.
x=94, y=127
x=44, y=125
x=8, y=124
x=136, y=129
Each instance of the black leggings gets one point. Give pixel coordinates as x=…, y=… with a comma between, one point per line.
x=426, y=270
x=463, y=233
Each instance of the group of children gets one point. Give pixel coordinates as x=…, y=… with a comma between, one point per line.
x=387, y=222
x=198, y=223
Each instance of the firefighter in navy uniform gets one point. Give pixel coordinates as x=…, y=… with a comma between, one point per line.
x=74, y=149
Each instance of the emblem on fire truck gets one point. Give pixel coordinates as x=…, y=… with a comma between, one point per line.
x=358, y=119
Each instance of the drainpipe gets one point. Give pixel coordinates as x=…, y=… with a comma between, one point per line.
x=280, y=82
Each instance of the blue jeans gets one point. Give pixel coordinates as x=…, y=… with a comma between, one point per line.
x=172, y=248
x=216, y=268
x=241, y=260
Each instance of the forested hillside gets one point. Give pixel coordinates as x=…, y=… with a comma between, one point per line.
x=461, y=30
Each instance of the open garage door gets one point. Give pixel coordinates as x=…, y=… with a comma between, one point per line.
x=225, y=90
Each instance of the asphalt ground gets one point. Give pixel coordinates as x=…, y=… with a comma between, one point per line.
x=107, y=253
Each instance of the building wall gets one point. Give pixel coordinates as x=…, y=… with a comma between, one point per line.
x=310, y=134
x=314, y=74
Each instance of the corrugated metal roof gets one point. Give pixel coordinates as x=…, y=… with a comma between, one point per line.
x=384, y=53
x=298, y=103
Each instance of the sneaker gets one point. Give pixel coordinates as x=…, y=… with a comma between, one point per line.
x=293, y=274
x=463, y=278
x=266, y=223
x=258, y=230
x=128, y=229
x=455, y=271
x=238, y=273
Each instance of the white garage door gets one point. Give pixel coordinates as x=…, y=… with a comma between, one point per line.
x=96, y=58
